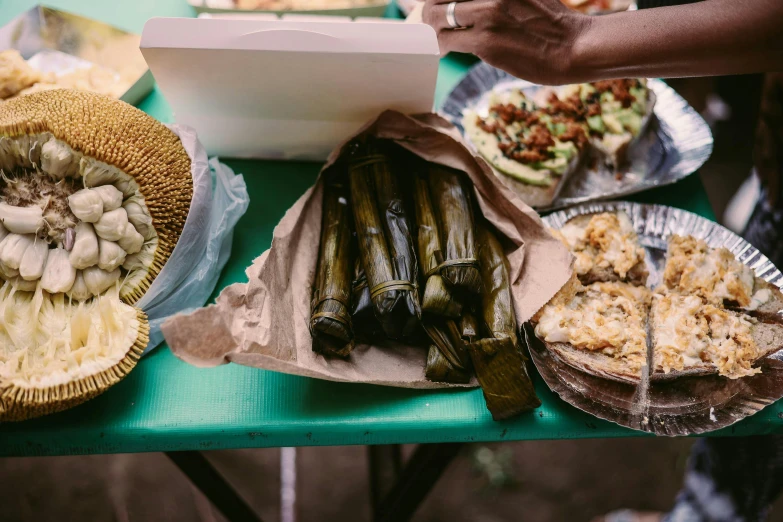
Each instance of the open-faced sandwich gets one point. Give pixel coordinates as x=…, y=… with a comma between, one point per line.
x=535, y=147
x=616, y=113
x=536, y=141
x=703, y=319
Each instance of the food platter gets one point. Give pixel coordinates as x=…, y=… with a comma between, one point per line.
x=687, y=405
x=676, y=144
x=78, y=52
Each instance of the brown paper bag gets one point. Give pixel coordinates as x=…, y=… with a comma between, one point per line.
x=264, y=323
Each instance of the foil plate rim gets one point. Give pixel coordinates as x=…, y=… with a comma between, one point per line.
x=750, y=394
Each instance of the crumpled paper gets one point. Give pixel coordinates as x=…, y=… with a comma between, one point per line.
x=264, y=323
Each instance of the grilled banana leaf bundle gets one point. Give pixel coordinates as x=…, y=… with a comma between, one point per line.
x=330, y=318
x=391, y=223
x=385, y=241
x=497, y=358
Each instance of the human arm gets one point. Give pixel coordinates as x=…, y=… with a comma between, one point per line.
x=545, y=42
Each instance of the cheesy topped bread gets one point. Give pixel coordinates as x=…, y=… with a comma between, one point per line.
x=606, y=248
x=607, y=328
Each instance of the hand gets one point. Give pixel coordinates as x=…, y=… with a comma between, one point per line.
x=531, y=39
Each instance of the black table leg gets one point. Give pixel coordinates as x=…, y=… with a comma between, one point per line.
x=207, y=479
x=385, y=462
x=420, y=474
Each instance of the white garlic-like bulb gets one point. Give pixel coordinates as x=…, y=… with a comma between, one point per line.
x=59, y=274
x=111, y=255
x=140, y=219
x=21, y=220
x=111, y=225
x=131, y=241
x=13, y=247
x=111, y=197
x=34, y=260
x=79, y=290
x=86, y=204
x=98, y=281
x=85, y=252
x=57, y=159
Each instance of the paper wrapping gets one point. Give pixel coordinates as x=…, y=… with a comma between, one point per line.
x=264, y=323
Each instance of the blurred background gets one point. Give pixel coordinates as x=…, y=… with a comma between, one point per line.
x=531, y=481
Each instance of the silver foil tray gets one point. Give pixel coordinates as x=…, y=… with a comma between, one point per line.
x=58, y=42
x=676, y=142
x=686, y=405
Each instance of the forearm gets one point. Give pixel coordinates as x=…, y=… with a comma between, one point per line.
x=713, y=37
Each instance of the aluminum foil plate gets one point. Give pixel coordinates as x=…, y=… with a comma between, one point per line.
x=62, y=43
x=675, y=144
x=684, y=406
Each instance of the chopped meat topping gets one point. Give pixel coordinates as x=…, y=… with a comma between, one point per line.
x=620, y=89
x=576, y=133
x=572, y=107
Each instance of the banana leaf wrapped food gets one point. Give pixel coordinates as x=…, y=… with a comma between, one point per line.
x=451, y=202
x=447, y=359
x=469, y=327
x=437, y=298
x=365, y=326
x=330, y=319
x=384, y=237
x=497, y=358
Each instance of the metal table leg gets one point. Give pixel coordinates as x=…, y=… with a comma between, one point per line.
x=385, y=463
x=420, y=474
x=207, y=479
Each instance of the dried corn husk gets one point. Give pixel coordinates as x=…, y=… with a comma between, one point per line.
x=330, y=319
x=385, y=242
x=452, y=203
x=498, y=359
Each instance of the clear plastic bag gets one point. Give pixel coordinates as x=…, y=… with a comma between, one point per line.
x=189, y=276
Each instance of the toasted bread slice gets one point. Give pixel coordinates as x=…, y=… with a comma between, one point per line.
x=606, y=248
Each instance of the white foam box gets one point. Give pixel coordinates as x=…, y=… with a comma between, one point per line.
x=287, y=89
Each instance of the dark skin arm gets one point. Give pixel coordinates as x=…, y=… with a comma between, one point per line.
x=545, y=42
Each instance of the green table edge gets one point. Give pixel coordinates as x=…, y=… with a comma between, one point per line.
x=167, y=405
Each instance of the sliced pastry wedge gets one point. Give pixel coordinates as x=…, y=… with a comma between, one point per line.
x=93, y=197
x=714, y=274
x=606, y=248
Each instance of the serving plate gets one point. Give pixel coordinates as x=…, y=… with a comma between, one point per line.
x=684, y=406
x=55, y=41
x=676, y=143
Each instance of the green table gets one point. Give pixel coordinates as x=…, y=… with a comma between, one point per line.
x=167, y=405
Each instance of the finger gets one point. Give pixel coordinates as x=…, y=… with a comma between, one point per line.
x=461, y=41
x=467, y=14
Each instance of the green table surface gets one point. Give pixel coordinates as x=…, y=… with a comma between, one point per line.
x=166, y=404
